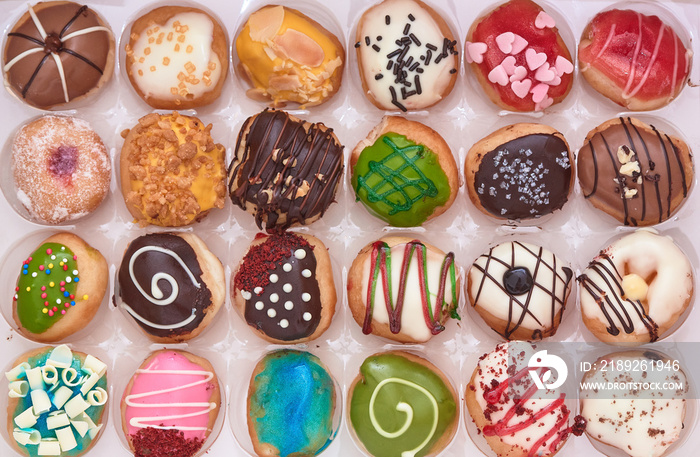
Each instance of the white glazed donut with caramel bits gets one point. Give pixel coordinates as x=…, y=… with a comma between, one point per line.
x=406, y=55
x=177, y=57
x=635, y=290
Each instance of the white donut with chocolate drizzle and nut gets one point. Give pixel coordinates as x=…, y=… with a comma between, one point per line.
x=636, y=289
x=640, y=422
x=176, y=59
x=520, y=290
x=405, y=58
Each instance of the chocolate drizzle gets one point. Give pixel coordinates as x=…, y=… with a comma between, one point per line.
x=527, y=177
x=47, y=56
x=380, y=269
x=289, y=169
x=277, y=279
x=614, y=304
x=650, y=194
x=161, y=285
x=519, y=305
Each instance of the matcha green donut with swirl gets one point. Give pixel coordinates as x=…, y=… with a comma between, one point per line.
x=402, y=405
x=404, y=172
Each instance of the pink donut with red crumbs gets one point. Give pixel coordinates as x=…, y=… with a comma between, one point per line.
x=519, y=57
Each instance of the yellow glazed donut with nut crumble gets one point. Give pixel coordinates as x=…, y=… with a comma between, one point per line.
x=288, y=57
x=172, y=172
x=177, y=57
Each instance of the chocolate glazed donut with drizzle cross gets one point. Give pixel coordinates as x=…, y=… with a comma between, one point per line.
x=286, y=170
x=58, y=52
x=635, y=172
x=520, y=290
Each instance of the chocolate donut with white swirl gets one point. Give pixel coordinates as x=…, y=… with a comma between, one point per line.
x=171, y=285
x=284, y=288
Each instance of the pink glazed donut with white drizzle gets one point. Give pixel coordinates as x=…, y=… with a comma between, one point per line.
x=170, y=405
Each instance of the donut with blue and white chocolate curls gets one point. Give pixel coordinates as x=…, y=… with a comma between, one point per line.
x=57, y=399
x=171, y=285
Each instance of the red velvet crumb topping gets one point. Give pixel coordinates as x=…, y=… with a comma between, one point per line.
x=153, y=442
x=267, y=256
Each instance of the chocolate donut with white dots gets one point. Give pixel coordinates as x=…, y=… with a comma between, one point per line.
x=284, y=289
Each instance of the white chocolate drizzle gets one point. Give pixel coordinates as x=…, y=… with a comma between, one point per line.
x=407, y=410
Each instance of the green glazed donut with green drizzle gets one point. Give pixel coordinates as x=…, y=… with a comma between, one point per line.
x=404, y=172
x=59, y=288
x=401, y=405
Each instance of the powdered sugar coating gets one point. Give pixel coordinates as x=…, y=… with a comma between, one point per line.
x=79, y=187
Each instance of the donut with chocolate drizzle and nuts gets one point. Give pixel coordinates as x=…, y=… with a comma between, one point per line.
x=519, y=58
x=58, y=52
x=635, y=172
x=285, y=171
x=406, y=54
x=515, y=417
x=284, y=289
x=636, y=289
x=402, y=289
x=521, y=171
x=520, y=290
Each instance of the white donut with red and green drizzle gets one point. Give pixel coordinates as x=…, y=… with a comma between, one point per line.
x=406, y=54
x=284, y=287
x=520, y=290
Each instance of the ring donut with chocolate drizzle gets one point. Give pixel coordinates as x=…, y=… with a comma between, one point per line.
x=402, y=289
x=636, y=289
x=58, y=52
x=520, y=290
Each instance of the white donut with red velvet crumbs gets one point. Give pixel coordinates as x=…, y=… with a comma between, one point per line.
x=514, y=416
x=519, y=58
x=61, y=168
x=407, y=55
